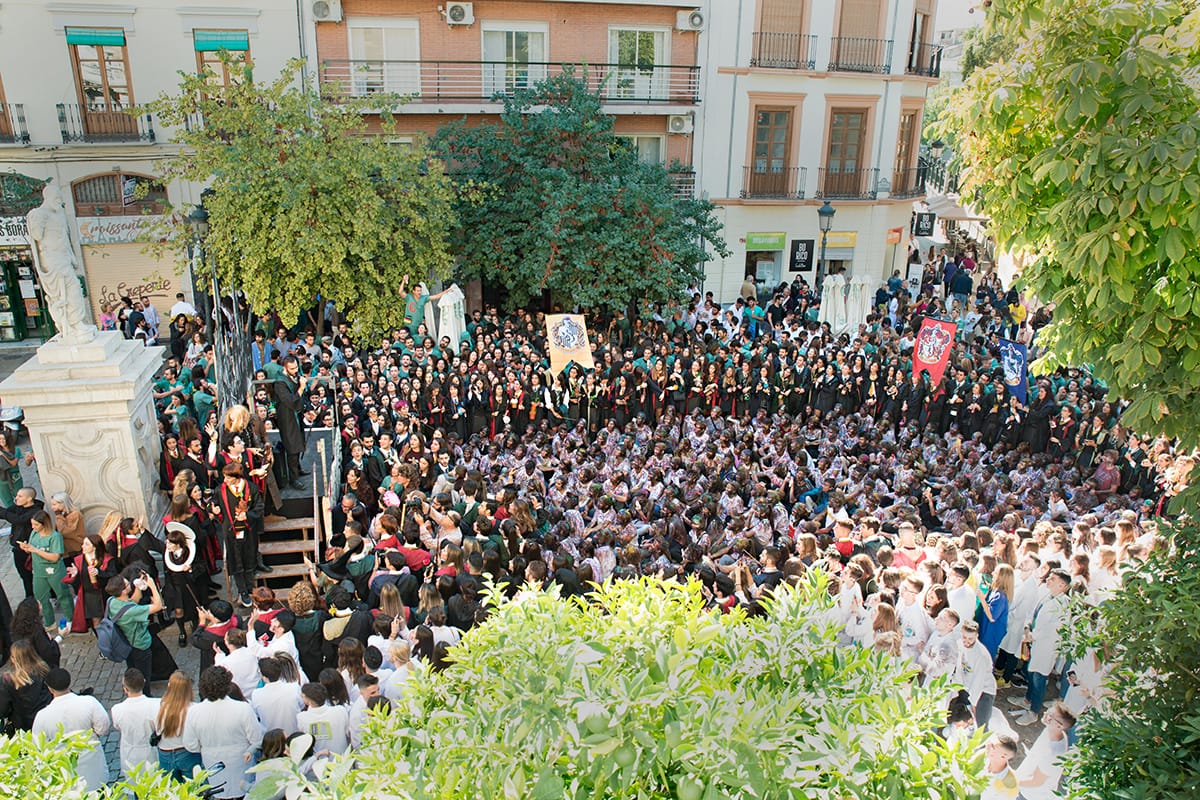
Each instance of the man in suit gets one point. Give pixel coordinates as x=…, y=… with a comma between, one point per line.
x=289, y=394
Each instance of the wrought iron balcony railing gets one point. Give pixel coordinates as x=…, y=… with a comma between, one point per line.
x=12, y=124
x=855, y=54
x=925, y=59
x=909, y=182
x=81, y=124
x=467, y=81
x=847, y=184
x=783, y=51
x=784, y=183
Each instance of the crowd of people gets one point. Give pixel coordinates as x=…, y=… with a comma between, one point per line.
x=737, y=445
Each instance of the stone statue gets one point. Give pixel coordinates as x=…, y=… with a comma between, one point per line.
x=57, y=273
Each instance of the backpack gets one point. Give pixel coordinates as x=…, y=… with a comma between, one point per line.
x=111, y=640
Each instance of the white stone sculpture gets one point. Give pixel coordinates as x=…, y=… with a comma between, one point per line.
x=56, y=265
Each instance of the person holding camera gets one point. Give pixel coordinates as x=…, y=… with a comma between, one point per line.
x=134, y=624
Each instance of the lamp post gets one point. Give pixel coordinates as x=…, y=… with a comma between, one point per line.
x=936, y=147
x=198, y=221
x=825, y=215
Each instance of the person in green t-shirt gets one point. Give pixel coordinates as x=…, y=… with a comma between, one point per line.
x=134, y=624
x=45, y=549
x=414, y=305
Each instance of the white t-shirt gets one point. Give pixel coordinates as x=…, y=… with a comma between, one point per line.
x=1045, y=756
x=329, y=727
x=277, y=704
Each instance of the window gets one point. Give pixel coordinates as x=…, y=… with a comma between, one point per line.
x=115, y=193
x=101, y=65
x=846, y=131
x=649, y=149
x=211, y=44
x=769, y=174
x=637, y=52
x=905, y=181
x=384, y=56
x=514, y=58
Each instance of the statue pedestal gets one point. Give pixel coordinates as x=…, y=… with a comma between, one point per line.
x=90, y=413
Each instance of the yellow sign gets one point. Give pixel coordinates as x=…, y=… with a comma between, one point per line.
x=841, y=239
x=568, y=341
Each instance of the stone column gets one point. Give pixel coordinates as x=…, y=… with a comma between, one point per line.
x=90, y=413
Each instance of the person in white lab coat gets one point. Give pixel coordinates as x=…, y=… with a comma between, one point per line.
x=224, y=731
x=277, y=702
x=70, y=713
x=134, y=717
x=1042, y=635
x=328, y=724
x=241, y=661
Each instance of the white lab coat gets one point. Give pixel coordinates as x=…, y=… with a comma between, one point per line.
x=134, y=717
x=329, y=726
x=225, y=731
x=277, y=703
x=1025, y=597
x=242, y=664
x=70, y=713
x=1043, y=651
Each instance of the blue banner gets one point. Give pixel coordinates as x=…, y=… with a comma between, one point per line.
x=1014, y=360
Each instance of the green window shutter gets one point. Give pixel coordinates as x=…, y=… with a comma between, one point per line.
x=207, y=41
x=112, y=37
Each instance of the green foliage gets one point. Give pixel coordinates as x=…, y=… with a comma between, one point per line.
x=1145, y=743
x=1083, y=148
x=551, y=199
x=643, y=694
x=33, y=766
x=306, y=199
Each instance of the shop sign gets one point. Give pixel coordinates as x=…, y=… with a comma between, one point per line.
x=924, y=224
x=13, y=230
x=802, y=255
x=115, y=230
x=841, y=239
x=766, y=241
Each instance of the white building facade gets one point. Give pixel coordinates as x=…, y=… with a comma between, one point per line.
x=808, y=102
x=69, y=73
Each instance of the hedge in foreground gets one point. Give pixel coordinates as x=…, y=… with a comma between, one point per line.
x=643, y=694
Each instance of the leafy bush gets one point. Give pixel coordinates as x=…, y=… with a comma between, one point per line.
x=644, y=694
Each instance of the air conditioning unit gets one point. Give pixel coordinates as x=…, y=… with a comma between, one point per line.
x=679, y=123
x=689, y=20
x=327, y=10
x=460, y=13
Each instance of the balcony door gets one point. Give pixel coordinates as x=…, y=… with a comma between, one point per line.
x=102, y=78
x=844, y=176
x=638, y=55
x=769, y=173
x=514, y=58
x=857, y=46
x=383, y=57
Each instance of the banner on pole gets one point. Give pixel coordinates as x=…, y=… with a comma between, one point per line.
x=568, y=341
x=1014, y=360
x=932, y=351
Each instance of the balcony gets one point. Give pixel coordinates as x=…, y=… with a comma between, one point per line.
x=685, y=184
x=925, y=60
x=847, y=184
x=854, y=54
x=783, y=51
x=909, y=182
x=785, y=183
x=83, y=125
x=424, y=82
x=13, y=129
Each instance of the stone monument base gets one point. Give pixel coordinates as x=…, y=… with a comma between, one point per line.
x=92, y=424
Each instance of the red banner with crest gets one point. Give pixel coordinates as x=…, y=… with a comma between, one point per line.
x=932, y=350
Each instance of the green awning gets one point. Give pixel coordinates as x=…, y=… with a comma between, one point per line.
x=113, y=37
x=207, y=41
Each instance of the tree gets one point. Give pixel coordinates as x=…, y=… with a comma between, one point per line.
x=639, y=692
x=550, y=198
x=1082, y=146
x=305, y=200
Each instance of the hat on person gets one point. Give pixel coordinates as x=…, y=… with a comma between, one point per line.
x=179, y=527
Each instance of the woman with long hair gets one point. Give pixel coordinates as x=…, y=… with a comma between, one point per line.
x=993, y=621
x=88, y=573
x=27, y=626
x=173, y=757
x=23, y=690
x=45, y=549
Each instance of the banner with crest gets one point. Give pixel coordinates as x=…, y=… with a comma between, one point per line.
x=1014, y=360
x=932, y=350
x=568, y=342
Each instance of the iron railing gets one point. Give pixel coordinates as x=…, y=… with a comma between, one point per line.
x=464, y=81
x=856, y=54
x=938, y=177
x=783, y=50
x=847, y=184
x=685, y=183
x=924, y=59
x=82, y=124
x=774, y=184
x=909, y=182
x=12, y=124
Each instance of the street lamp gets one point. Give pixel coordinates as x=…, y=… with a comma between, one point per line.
x=936, y=147
x=825, y=214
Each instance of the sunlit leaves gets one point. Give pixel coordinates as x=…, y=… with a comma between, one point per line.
x=307, y=202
